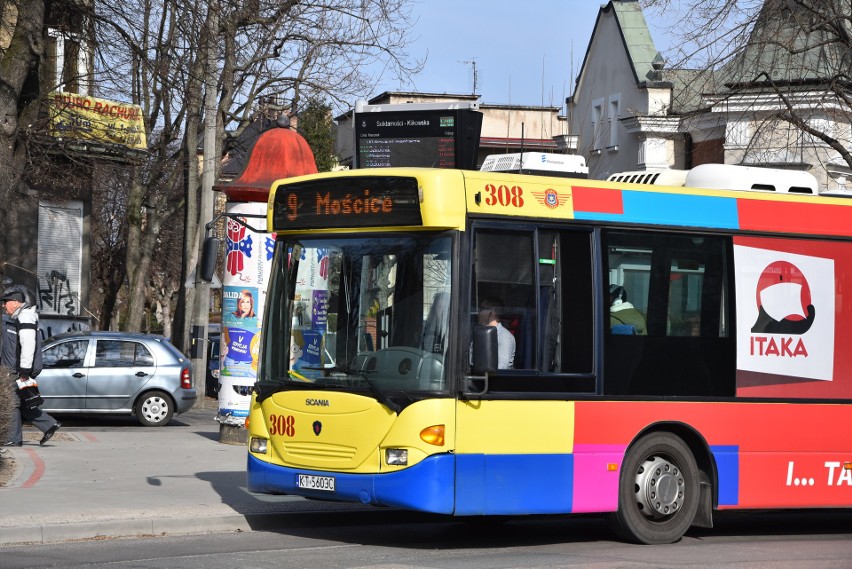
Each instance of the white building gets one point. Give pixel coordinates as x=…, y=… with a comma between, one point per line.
x=630, y=113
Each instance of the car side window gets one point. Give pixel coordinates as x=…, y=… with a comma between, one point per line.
x=143, y=356
x=119, y=353
x=66, y=355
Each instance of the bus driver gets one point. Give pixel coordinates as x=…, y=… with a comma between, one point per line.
x=489, y=313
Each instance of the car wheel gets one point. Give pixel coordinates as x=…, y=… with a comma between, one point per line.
x=658, y=491
x=154, y=409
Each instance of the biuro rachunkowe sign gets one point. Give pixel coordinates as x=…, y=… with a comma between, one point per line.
x=98, y=120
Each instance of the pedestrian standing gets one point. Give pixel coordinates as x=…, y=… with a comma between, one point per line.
x=20, y=361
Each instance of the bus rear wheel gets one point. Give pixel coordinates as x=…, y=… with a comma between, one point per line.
x=657, y=491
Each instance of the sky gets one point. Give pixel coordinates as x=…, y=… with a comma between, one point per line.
x=523, y=48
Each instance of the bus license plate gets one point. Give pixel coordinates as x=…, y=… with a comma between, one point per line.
x=310, y=482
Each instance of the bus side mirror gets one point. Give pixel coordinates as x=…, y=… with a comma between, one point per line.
x=209, y=254
x=484, y=350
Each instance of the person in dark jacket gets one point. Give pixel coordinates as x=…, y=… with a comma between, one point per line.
x=623, y=313
x=20, y=360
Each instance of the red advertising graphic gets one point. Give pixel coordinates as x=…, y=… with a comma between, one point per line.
x=794, y=306
x=766, y=455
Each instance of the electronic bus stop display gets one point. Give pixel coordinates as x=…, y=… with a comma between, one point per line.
x=440, y=138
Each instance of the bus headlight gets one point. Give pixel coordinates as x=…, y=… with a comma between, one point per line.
x=396, y=456
x=258, y=445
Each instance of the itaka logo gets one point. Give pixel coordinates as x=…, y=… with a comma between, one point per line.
x=783, y=301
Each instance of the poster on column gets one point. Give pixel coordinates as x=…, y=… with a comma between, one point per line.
x=310, y=321
x=247, y=260
x=241, y=334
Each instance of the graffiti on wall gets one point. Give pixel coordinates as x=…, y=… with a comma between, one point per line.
x=55, y=294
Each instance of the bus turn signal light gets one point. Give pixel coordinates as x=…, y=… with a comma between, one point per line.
x=433, y=435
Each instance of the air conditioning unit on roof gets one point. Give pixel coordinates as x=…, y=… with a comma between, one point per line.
x=537, y=163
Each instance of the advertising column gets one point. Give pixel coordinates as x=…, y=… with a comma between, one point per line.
x=248, y=258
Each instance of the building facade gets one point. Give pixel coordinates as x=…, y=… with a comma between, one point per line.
x=629, y=112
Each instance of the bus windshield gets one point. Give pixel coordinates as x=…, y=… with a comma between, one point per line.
x=362, y=313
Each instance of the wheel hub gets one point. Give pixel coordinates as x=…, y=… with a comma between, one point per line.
x=659, y=488
x=153, y=408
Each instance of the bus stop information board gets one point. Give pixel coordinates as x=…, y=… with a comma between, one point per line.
x=447, y=138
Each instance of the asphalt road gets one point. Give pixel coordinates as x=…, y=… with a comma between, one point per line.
x=394, y=539
x=397, y=540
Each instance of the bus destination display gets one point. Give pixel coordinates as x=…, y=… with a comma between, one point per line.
x=356, y=201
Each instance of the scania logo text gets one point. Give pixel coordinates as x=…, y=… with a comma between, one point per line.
x=317, y=402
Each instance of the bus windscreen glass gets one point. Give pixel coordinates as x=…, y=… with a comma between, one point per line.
x=366, y=313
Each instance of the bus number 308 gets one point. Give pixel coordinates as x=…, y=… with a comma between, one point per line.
x=282, y=425
x=504, y=195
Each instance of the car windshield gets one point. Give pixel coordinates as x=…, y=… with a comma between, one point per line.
x=362, y=314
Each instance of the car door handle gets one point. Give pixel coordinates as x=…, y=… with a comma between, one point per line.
x=78, y=375
x=141, y=374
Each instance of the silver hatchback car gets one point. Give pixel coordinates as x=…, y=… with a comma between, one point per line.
x=116, y=373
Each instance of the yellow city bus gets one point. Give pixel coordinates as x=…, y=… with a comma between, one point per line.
x=477, y=343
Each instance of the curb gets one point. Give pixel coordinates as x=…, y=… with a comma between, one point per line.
x=51, y=533
x=315, y=515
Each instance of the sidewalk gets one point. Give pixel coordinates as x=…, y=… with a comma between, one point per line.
x=97, y=482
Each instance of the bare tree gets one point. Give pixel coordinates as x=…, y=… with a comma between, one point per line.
x=155, y=53
x=780, y=71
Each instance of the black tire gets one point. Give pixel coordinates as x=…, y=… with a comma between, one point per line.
x=657, y=491
x=154, y=409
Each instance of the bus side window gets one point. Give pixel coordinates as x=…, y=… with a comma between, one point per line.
x=543, y=281
x=504, y=284
x=566, y=302
x=679, y=283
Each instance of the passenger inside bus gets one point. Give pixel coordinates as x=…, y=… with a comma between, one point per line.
x=490, y=312
x=624, y=318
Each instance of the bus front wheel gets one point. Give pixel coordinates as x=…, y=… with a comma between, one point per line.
x=657, y=491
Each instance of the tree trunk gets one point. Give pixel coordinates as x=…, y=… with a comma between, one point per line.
x=17, y=107
x=193, y=187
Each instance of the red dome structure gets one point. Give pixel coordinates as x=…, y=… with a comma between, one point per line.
x=277, y=153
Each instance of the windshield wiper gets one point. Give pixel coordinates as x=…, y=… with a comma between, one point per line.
x=380, y=395
x=269, y=386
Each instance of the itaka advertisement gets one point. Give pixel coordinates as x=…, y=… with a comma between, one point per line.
x=791, y=314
